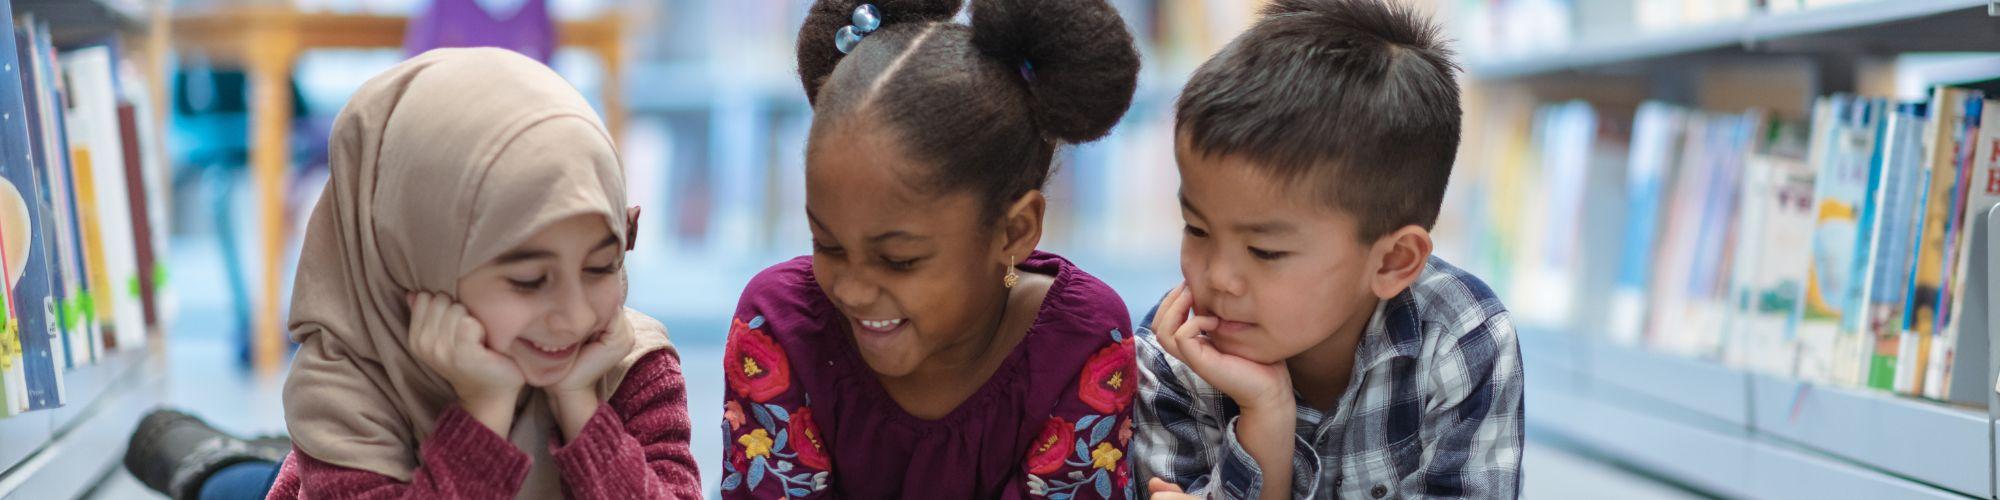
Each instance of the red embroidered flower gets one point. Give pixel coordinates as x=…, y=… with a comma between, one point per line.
x=1125, y=432
x=1123, y=474
x=1107, y=383
x=1051, y=447
x=755, y=365
x=806, y=439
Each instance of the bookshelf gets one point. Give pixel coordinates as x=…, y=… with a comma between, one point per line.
x=1723, y=427
x=61, y=452
x=1857, y=28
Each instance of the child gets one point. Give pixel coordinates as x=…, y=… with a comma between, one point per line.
x=1327, y=353
x=459, y=302
x=925, y=349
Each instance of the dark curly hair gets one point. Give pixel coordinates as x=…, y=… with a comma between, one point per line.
x=1357, y=99
x=986, y=104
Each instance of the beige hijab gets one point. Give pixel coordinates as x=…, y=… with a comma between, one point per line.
x=438, y=165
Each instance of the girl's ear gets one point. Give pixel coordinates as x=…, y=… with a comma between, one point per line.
x=631, y=227
x=1021, y=225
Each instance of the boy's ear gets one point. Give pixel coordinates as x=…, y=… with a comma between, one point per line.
x=1021, y=226
x=631, y=227
x=1398, y=259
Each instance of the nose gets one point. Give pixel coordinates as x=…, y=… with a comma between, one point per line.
x=1222, y=277
x=855, y=293
x=572, y=317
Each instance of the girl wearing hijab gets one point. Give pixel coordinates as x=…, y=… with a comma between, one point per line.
x=459, y=303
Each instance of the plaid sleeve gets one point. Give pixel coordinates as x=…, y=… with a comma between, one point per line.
x=1472, y=428
x=1180, y=437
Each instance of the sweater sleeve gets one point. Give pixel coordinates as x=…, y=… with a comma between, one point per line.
x=461, y=459
x=1080, y=452
x=636, y=445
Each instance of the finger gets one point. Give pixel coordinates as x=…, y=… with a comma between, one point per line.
x=1188, y=338
x=1157, y=486
x=1164, y=318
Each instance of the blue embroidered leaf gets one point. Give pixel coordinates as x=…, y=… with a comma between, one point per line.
x=1076, y=475
x=763, y=416
x=757, y=322
x=1082, y=451
x=779, y=411
x=798, y=492
x=1084, y=423
x=784, y=436
x=756, y=472
x=1117, y=337
x=803, y=478
x=1104, y=426
x=731, y=481
x=784, y=466
x=1103, y=485
x=1060, y=496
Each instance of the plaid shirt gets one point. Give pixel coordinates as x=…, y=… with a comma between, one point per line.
x=1433, y=408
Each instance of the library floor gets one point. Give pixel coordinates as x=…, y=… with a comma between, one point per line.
x=205, y=379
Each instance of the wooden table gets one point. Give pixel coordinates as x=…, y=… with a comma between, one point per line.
x=268, y=41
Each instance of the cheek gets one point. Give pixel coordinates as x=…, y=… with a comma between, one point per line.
x=607, y=297
x=503, y=318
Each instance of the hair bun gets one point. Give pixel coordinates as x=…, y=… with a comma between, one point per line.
x=1081, y=64
x=816, y=52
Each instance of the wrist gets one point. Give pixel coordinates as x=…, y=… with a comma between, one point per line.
x=496, y=412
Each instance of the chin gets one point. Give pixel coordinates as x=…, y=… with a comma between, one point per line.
x=887, y=365
x=543, y=376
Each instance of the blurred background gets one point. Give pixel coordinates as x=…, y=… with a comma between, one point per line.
x=1744, y=240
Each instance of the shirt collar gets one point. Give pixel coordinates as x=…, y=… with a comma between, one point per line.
x=1394, y=331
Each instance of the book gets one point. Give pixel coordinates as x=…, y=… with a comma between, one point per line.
x=1901, y=185
x=1656, y=137
x=22, y=221
x=1774, y=223
x=1845, y=128
x=51, y=227
x=81, y=312
x=1931, y=380
x=94, y=125
x=1952, y=109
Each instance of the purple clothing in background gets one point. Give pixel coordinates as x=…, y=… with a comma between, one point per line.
x=463, y=23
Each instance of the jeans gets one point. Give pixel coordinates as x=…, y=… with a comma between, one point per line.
x=242, y=481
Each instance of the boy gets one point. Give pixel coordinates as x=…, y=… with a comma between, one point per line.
x=1317, y=349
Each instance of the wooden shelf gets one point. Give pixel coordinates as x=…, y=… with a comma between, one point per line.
x=77, y=20
x=1868, y=27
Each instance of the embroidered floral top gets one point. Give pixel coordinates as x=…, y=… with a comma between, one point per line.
x=804, y=417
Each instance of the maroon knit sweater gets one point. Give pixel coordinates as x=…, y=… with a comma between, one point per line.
x=635, y=446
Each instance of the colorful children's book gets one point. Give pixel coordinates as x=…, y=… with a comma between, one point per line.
x=1889, y=242
x=1845, y=127
x=1953, y=109
x=49, y=228
x=1932, y=382
x=22, y=217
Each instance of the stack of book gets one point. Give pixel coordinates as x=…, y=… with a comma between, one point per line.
x=81, y=211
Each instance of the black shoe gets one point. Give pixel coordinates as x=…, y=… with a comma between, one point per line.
x=173, y=452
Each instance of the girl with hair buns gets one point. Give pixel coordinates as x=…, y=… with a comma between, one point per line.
x=925, y=348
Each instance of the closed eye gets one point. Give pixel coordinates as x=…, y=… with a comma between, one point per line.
x=528, y=285
x=1267, y=255
x=1195, y=231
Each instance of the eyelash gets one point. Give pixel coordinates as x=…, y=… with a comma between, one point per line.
x=1267, y=255
x=829, y=250
x=529, y=286
x=1194, y=231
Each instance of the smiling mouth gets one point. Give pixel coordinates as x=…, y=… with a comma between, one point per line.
x=551, y=352
x=880, y=326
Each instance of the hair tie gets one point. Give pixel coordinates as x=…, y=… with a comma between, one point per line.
x=865, y=20
x=1028, y=71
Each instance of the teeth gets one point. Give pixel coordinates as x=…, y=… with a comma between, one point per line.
x=551, y=350
x=882, y=324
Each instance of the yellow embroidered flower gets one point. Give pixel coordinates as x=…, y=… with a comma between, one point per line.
x=1105, y=457
x=758, y=443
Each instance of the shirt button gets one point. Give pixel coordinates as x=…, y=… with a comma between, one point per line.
x=1378, y=491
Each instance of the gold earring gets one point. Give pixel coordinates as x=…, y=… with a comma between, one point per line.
x=1011, y=278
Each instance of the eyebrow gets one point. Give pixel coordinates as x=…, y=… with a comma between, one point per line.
x=527, y=254
x=879, y=238
x=1267, y=228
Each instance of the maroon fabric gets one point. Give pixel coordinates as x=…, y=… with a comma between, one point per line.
x=635, y=446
